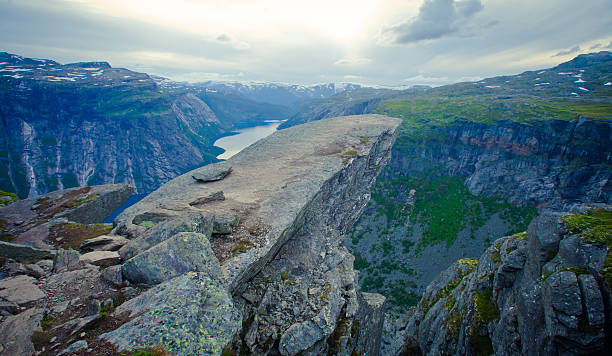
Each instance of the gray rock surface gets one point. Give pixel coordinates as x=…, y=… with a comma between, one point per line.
x=20, y=290
x=114, y=275
x=104, y=242
x=295, y=194
x=271, y=184
x=101, y=258
x=66, y=260
x=224, y=223
x=212, y=172
x=182, y=253
x=216, y=196
x=172, y=225
x=189, y=315
x=508, y=303
x=80, y=345
x=20, y=252
x=29, y=220
x=16, y=332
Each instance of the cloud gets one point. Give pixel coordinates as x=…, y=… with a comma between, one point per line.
x=352, y=61
x=241, y=45
x=595, y=46
x=352, y=77
x=436, y=19
x=224, y=38
x=567, y=51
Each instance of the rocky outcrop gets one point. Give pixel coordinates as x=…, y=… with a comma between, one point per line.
x=37, y=226
x=546, y=291
x=277, y=238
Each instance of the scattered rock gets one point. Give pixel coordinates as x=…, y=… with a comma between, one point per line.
x=224, y=223
x=60, y=307
x=184, y=252
x=94, y=307
x=8, y=307
x=22, y=252
x=114, y=275
x=216, y=196
x=212, y=172
x=66, y=260
x=189, y=315
x=103, y=243
x=76, y=325
x=17, y=330
x=74, y=347
x=101, y=258
x=20, y=290
x=34, y=270
x=46, y=265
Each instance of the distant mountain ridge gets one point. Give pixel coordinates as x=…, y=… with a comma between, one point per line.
x=280, y=93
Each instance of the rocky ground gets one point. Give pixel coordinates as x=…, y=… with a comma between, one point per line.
x=239, y=256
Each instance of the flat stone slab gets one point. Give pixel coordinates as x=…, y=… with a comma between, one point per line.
x=23, y=252
x=20, y=290
x=270, y=187
x=101, y=258
x=104, y=242
x=216, y=172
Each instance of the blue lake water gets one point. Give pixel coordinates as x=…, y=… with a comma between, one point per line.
x=244, y=138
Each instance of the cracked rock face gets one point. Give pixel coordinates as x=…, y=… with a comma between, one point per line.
x=546, y=292
x=286, y=283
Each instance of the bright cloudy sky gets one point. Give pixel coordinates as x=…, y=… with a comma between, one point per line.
x=384, y=42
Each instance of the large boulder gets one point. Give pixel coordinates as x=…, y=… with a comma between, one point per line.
x=182, y=253
x=16, y=332
x=188, y=315
x=194, y=222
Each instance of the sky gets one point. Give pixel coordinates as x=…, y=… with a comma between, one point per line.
x=377, y=42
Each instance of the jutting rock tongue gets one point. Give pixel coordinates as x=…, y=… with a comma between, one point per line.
x=263, y=263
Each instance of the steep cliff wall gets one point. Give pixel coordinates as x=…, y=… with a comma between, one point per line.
x=543, y=292
x=71, y=125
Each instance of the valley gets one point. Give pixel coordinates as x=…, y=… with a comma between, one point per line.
x=360, y=220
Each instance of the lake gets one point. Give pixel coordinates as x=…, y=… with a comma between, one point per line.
x=244, y=138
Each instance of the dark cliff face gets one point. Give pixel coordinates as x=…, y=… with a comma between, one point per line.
x=88, y=123
x=549, y=164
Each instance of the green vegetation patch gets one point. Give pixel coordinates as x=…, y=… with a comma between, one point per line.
x=485, y=306
x=444, y=206
x=72, y=235
x=594, y=227
x=77, y=202
x=7, y=198
x=576, y=270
